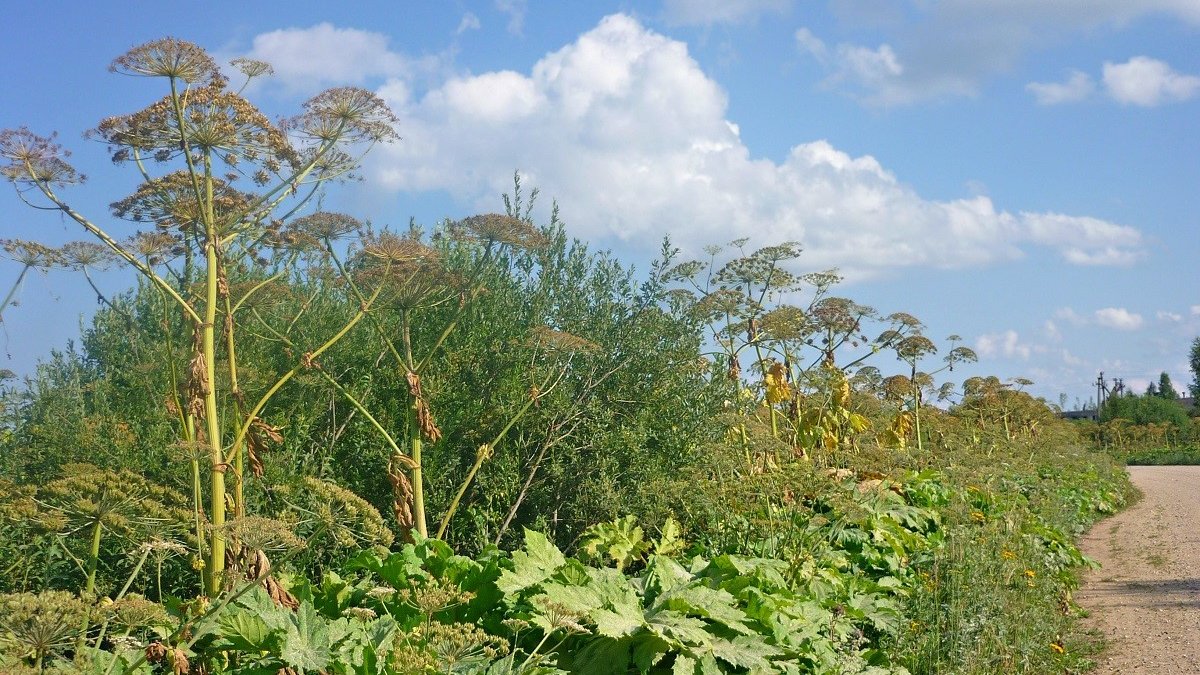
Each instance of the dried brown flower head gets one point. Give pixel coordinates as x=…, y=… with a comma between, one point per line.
x=326, y=225
x=897, y=388
x=170, y=202
x=252, y=68
x=214, y=120
x=31, y=253
x=32, y=159
x=168, y=57
x=549, y=338
x=388, y=247
x=262, y=533
x=914, y=347
x=840, y=315
x=155, y=246
x=87, y=254
x=786, y=322
x=494, y=228
x=346, y=115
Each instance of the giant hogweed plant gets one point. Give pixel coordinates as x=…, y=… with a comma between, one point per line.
x=193, y=149
x=801, y=355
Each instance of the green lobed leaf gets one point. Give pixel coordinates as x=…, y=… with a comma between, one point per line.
x=306, y=642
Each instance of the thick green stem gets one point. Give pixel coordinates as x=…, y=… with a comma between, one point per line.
x=415, y=443
x=917, y=409
x=93, y=558
x=239, y=449
x=216, y=552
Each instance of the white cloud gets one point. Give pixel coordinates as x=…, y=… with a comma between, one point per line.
x=1195, y=310
x=1077, y=87
x=1085, y=241
x=708, y=12
x=811, y=43
x=307, y=60
x=1007, y=344
x=1169, y=316
x=469, y=22
x=1070, y=316
x=1118, y=318
x=629, y=134
x=949, y=47
x=515, y=9
x=1148, y=82
x=872, y=68
x=1052, y=332
x=1070, y=359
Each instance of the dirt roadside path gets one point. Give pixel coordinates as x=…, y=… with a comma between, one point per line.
x=1146, y=596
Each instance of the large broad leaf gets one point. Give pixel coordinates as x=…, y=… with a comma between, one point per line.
x=749, y=652
x=679, y=630
x=663, y=575
x=366, y=646
x=306, y=642
x=710, y=603
x=599, y=656
x=684, y=665
x=531, y=566
x=615, y=624
x=244, y=631
x=257, y=602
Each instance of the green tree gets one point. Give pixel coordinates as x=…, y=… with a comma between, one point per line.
x=1145, y=410
x=1165, y=388
x=1194, y=364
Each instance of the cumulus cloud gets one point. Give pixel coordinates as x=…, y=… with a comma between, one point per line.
x=1083, y=240
x=1006, y=344
x=630, y=135
x=1168, y=316
x=1077, y=87
x=309, y=59
x=1118, y=318
x=949, y=47
x=1195, y=309
x=709, y=12
x=1148, y=82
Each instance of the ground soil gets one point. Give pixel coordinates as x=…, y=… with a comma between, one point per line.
x=1146, y=596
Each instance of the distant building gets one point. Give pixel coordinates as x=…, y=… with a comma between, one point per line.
x=1079, y=415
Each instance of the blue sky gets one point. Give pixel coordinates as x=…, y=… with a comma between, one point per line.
x=1025, y=174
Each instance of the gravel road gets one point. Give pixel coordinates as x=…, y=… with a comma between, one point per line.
x=1146, y=596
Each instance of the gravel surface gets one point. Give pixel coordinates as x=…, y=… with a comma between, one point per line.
x=1146, y=596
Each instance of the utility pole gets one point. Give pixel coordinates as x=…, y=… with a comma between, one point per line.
x=1101, y=390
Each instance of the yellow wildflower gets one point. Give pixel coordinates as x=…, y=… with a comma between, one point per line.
x=1057, y=648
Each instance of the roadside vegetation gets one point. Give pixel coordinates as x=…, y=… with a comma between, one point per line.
x=1154, y=428
x=303, y=443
